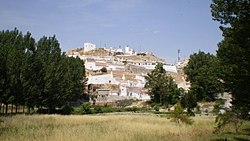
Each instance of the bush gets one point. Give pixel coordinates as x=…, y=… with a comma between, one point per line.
x=157, y=108
x=124, y=103
x=104, y=70
x=229, y=117
x=87, y=109
x=66, y=110
x=179, y=116
x=218, y=105
x=132, y=109
x=98, y=109
x=107, y=109
x=94, y=109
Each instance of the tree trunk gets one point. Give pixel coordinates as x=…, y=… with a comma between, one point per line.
x=12, y=108
x=6, y=109
x=2, y=109
x=23, y=109
x=28, y=109
x=16, y=109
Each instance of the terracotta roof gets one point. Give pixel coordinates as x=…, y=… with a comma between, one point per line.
x=90, y=60
x=100, y=64
x=134, y=89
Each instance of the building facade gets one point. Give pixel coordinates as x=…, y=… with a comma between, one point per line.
x=89, y=47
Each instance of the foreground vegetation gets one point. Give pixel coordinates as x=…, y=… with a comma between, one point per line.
x=129, y=127
x=36, y=74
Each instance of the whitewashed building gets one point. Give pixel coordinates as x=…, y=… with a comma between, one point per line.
x=140, y=81
x=129, y=50
x=133, y=92
x=91, y=64
x=102, y=79
x=170, y=68
x=89, y=47
x=150, y=65
x=116, y=67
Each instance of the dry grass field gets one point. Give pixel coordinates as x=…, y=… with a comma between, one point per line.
x=103, y=128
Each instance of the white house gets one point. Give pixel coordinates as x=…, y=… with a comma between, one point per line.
x=140, y=81
x=129, y=50
x=146, y=64
x=119, y=50
x=91, y=64
x=89, y=47
x=150, y=65
x=123, y=91
x=115, y=67
x=133, y=92
x=102, y=79
x=170, y=68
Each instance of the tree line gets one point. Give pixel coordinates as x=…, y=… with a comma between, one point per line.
x=210, y=75
x=37, y=74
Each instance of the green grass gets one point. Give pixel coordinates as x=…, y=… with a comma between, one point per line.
x=110, y=127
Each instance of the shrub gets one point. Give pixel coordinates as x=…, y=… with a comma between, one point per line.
x=107, y=109
x=157, y=108
x=98, y=109
x=132, y=109
x=66, y=110
x=179, y=116
x=86, y=109
x=124, y=103
x=229, y=117
x=104, y=70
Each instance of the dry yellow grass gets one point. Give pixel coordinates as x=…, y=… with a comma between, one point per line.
x=102, y=127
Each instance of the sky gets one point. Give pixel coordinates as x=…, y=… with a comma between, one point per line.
x=158, y=26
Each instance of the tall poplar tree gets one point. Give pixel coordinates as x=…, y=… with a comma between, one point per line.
x=233, y=51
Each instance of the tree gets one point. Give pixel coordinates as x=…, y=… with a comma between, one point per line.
x=202, y=72
x=12, y=51
x=103, y=70
x=38, y=74
x=189, y=101
x=233, y=51
x=179, y=116
x=162, y=88
x=29, y=76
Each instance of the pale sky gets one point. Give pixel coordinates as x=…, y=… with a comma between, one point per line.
x=158, y=26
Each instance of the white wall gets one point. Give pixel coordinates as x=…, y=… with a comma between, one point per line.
x=90, y=65
x=89, y=46
x=116, y=67
x=170, y=68
x=129, y=50
x=123, y=91
x=102, y=79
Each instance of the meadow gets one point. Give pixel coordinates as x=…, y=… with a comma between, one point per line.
x=110, y=127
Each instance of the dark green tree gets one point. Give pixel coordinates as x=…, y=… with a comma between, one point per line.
x=103, y=70
x=29, y=76
x=12, y=52
x=162, y=88
x=202, y=72
x=233, y=51
x=38, y=74
x=189, y=101
x=48, y=55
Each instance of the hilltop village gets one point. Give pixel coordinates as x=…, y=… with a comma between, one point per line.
x=119, y=73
